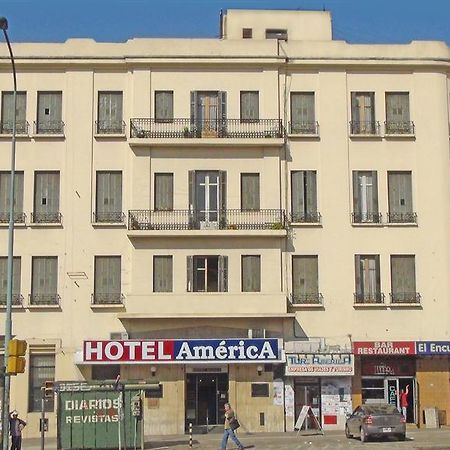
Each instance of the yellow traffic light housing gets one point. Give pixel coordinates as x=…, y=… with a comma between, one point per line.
x=16, y=360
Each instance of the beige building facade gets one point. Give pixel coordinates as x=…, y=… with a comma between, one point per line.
x=273, y=186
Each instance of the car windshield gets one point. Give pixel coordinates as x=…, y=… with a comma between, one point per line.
x=380, y=409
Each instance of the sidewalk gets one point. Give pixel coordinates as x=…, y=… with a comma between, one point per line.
x=332, y=440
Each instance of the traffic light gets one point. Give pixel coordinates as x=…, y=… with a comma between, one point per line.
x=16, y=360
x=49, y=389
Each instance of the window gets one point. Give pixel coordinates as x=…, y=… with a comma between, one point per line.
x=403, y=279
x=365, y=197
x=250, y=191
x=46, y=198
x=163, y=191
x=49, y=118
x=105, y=372
x=5, y=187
x=8, y=115
x=207, y=273
x=208, y=113
x=247, y=33
x=400, y=198
x=367, y=279
x=273, y=33
x=162, y=273
x=249, y=106
x=42, y=369
x=110, y=114
x=304, y=196
x=260, y=389
x=363, y=113
x=44, y=283
x=107, y=280
x=164, y=106
x=16, y=297
x=397, y=113
x=251, y=273
x=305, y=280
x=109, y=197
x=303, y=116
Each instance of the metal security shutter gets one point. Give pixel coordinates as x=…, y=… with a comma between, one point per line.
x=162, y=273
x=110, y=111
x=5, y=187
x=400, y=192
x=302, y=109
x=397, y=107
x=163, y=191
x=163, y=105
x=109, y=196
x=250, y=105
x=8, y=112
x=107, y=276
x=46, y=196
x=251, y=273
x=250, y=191
x=45, y=275
x=49, y=112
x=403, y=274
x=305, y=277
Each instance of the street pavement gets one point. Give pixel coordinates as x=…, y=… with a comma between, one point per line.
x=416, y=439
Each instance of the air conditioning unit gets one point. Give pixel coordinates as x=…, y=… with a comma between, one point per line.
x=254, y=333
x=118, y=336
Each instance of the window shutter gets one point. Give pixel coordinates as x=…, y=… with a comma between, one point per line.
x=298, y=194
x=311, y=192
x=377, y=274
x=3, y=275
x=16, y=275
x=374, y=192
x=397, y=107
x=194, y=107
x=403, y=277
x=4, y=192
x=18, y=193
x=356, y=198
x=358, y=278
x=251, y=273
x=355, y=107
x=45, y=272
x=223, y=273
x=162, y=273
x=7, y=111
x=222, y=106
x=51, y=101
x=163, y=191
x=116, y=192
x=223, y=190
x=250, y=105
x=190, y=273
x=164, y=105
x=116, y=108
x=394, y=193
x=250, y=191
x=400, y=192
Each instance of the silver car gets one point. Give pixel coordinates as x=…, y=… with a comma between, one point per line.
x=376, y=420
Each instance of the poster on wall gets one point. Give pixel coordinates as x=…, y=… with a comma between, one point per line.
x=336, y=399
x=289, y=400
x=278, y=392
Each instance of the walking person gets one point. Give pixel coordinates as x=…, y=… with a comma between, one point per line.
x=16, y=426
x=230, y=426
x=403, y=398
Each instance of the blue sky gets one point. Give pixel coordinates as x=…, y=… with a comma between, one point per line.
x=358, y=21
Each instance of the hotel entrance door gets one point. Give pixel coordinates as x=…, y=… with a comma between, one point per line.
x=206, y=394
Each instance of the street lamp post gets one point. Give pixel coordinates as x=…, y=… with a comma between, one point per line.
x=8, y=315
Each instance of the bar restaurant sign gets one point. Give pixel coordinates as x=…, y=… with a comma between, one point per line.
x=181, y=351
x=320, y=364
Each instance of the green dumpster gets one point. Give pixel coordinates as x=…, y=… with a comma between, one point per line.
x=99, y=416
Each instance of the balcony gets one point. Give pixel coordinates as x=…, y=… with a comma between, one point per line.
x=229, y=219
x=367, y=218
x=107, y=299
x=110, y=127
x=109, y=218
x=49, y=127
x=304, y=128
x=151, y=128
x=307, y=299
x=405, y=298
x=399, y=128
x=17, y=300
x=365, y=128
x=22, y=126
x=46, y=218
x=19, y=217
x=408, y=217
x=369, y=299
x=312, y=218
x=44, y=300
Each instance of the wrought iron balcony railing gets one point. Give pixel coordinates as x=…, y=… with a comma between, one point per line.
x=370, y=217
x=19, y=217
x=22, y=126
x=304, y=128
x=17, y=300
x=368, y=298
x=310, y=298
x=48, y=217
x=229, y=219
x=109, y=217
x=111, y=298
x=49, y=127
x=405, y=297
x=311, y=217
x=409, y=217
x=399, y=128
x=207, y=128
x=110, y=127
x=45, y=299
x=366, y=127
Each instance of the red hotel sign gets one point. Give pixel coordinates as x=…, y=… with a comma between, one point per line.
x=384, y=348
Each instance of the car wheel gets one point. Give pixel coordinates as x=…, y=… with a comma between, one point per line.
x=401, y=437
x=347, y=432
x=363, y=435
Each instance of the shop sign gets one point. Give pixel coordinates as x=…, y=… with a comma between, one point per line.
x=320, y=364
x=433, y=347
x=181, y=351
x=388, y=367
x=386, y=348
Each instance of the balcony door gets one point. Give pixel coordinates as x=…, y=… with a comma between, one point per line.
x=208, y=108
x=207, y=197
